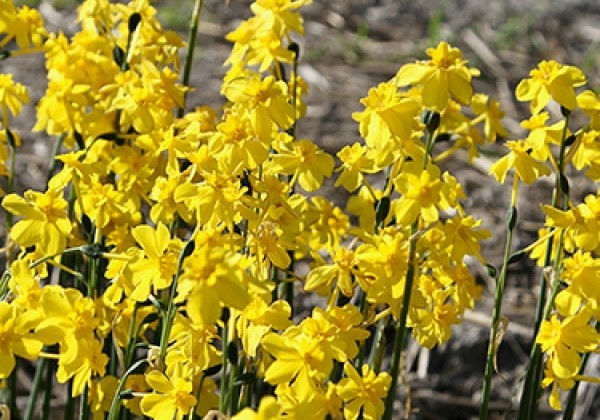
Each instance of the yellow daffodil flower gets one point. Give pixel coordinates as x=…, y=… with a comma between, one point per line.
x=156, y=270
x=551, y=80
x=268, y=409
x=44, y=222
x=172, y=398
x=16, y=338
x=564, y=340
x=363, y=393
x=445, y=75
x=526, y=167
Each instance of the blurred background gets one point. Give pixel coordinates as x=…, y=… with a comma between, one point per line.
x=352, y=45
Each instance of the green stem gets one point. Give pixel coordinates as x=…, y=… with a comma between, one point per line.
x=110, y=348
x=401, y=324
x=171, y=308
x=189, y=57
x=569, y=411
x=4, y=289
x=48, y=390
x=10, y=186
x=70, y=405
x=531, y=388
x=132, y=339
x=35, y=387
x=84, y=411
x=362, y=307
x=54, y=162
x=12, y=402
x=377, y=347
x=93, y=280
x=224, y=362
x=498, y=295
x=234, y=390
x=113, y=413
x=432, y=122
x=287, y=287
x=192, y=414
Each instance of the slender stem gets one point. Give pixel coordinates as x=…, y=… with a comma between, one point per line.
x=35, y=387
x=189, y=57
x=286, y=287
x=401, y=324
x=110, y=347
x=84, y=411
x=432, y=124
x=496, y=314
x=234, y=390
x=114, y=406
x=171, y=308
x=48, y=390
x=377, y=346
x=70, y=405
x=10, y=186
x=54, y=162
x=569, y=411
x=4, y=289
x=12, y=402
x=225, y=360
x=362, y=306
x=93, y=280
x=531, y=388
x=132, y=339
x=192, y=414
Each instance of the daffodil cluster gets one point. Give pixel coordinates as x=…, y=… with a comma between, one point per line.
x=163, y=266
x=568, y=244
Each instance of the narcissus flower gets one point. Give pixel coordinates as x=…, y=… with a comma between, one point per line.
x=45, y=223
x=541, y=135
x=492, y=114
x=580, y=272
x=557, y=384
x=213, y=277
x=355, y=163
x=431, y=324
x=363, y=394
x=269, y=409
x=421, y=194
x=551, y=80
x=308, y=163
x=266, y=101
x=296, y=357
x=12, y=95
x=101, y=394
x=341, y=271
x=564, y=340
x=172, y=398
x=154, y=272
x=16, y=338
x=90, y=361
x=446, y=74
x=526, y=167
x=386, y=114
x=29, y=29
x=8, y=14
x=259, y=318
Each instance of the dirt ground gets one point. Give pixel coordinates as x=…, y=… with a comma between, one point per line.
x=352, y=45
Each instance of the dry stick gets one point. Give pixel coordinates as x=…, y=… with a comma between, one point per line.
x=495, y=66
